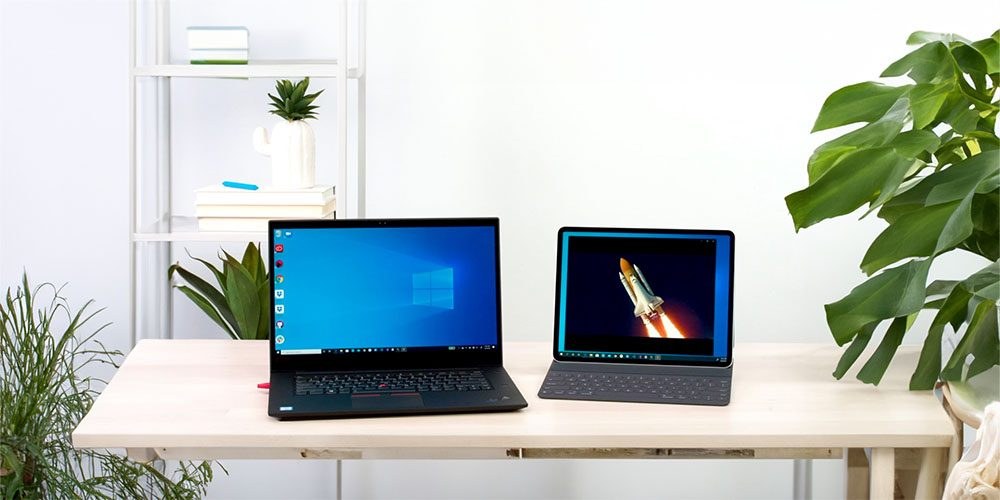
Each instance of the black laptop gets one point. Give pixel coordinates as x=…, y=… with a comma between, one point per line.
x=386, y=317
x=643, y=315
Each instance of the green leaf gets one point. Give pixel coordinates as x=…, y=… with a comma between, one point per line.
x=875, y=368
x=985, y=238
x=946, y=185
x=877, y=133
x=854, y=350
x=205, y=306
x=251, y=260
x=922, y=37
x=928, y=368
x=895, y=292
x=930, y=63
x=861, y=102
x=912, y=143
x=242, y=298
x=859, y=177
x=264, y=318
x=980, y=340
x=921, y=233
x=926, y=100
x=990, y=50
x=941, y=288
x=985, y=283
x=213, y=295
x=963, y=120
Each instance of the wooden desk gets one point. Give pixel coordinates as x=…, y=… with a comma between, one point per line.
x=197, y=399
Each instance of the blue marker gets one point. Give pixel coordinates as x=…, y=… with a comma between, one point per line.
x=240, y=185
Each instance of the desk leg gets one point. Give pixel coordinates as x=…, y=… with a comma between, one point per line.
x=340, y=481
x=802, y=473
x=929, y=477
x=883, y=474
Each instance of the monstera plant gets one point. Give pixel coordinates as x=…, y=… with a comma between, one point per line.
x=925, y=161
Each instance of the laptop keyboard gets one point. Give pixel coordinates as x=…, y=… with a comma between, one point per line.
x=315, y=384
x=636, y=388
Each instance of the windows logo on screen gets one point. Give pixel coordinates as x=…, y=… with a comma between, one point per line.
x=435, y=288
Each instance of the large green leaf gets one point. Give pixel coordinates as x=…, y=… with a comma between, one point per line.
x=861, y=102
x=913, y=143
x=878, y=133
x=946, y=185
x=209, y=310
x=242, y=298
x=930, y=63
x=854, y=350
x=955, y=308
x=985, y=283
x=921, y=233
x=922, y=37
x=985, y=237
x=875, y=368
x=990, y=49
x=895, y=292
x=926, y=100
x=858, y=178
x=980, y=341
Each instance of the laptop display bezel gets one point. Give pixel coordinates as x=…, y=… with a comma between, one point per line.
x=664, y=362
x=385, y=360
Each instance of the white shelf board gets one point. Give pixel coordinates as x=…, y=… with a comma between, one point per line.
x=186, y=229
x=255, y=69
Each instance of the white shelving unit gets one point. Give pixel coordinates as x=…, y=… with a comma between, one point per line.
x=153, y=225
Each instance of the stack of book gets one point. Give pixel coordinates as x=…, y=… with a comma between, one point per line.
x=221, y=208
x=218, y=44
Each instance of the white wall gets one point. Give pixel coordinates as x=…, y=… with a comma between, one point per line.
x=546, y=113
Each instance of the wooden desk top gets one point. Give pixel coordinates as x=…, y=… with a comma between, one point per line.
x=202, y=395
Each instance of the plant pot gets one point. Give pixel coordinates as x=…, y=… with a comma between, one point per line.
x=292, y=148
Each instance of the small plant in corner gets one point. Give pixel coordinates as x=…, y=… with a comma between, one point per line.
x=47, y=385
x=241, y=303
x=292, y=144
x=926, y=161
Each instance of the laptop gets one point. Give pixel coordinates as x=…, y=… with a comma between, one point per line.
x=643, y=315
x=386, y=317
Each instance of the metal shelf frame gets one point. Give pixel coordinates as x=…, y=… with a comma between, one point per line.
x=149, y=289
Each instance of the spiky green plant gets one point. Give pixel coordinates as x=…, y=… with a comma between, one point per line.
x=292, y=102
x=241, y=305
x=46, y=388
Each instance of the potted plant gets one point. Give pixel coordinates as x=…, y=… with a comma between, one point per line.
x=292, y=145
x=925, y=161
x=46, y=387
x=241, y=304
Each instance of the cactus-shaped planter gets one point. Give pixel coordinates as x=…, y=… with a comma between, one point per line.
x=292, y=148
x=292, y=144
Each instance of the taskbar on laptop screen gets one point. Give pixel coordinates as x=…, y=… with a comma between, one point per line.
x=357, y=350
x=637, y=356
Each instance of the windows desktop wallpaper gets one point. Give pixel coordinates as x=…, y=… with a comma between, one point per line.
x=656, y=295
x=385, y=287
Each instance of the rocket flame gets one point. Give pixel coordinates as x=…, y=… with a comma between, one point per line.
x=671, y=330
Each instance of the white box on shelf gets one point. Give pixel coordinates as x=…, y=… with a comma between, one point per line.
x=303, y=211
x=242, y=224
x=217, y=194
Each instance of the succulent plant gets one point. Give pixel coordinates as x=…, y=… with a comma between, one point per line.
x=292, y=102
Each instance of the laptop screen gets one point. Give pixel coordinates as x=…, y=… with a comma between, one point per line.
x=369, y=288
x=644, y=296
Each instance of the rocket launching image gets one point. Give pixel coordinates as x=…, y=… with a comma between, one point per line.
x=647, y=306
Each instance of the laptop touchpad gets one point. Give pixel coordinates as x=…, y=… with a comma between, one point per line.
x=386, y=401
